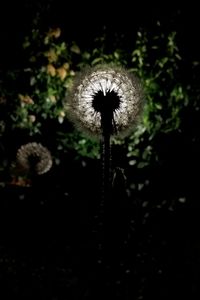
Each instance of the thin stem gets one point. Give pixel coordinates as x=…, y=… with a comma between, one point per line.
x=107, y=129
x=106, y=166
x=107, y=200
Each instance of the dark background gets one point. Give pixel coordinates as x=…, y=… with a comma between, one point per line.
x=50, y=234
x=85, y=20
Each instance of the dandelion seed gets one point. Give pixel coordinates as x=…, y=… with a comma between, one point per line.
x=33, y=157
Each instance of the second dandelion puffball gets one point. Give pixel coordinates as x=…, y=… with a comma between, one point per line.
x=35, y=158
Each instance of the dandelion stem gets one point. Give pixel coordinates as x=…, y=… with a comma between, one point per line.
x=107, y=129
x=106, y=123
x=106, y=162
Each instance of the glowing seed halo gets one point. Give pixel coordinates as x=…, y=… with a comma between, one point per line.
x=105, y=79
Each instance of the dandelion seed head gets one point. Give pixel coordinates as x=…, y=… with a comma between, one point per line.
x=102, y=90
x=33, y=157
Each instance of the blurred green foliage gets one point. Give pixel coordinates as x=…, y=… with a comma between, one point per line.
x=34, y=98
x=47, y=77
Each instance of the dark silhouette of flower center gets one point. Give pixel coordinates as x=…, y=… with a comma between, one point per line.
x=33, y=160
x=106, y=104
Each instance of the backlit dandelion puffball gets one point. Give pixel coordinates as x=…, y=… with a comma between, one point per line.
x=35, y=158
x=105, y=91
